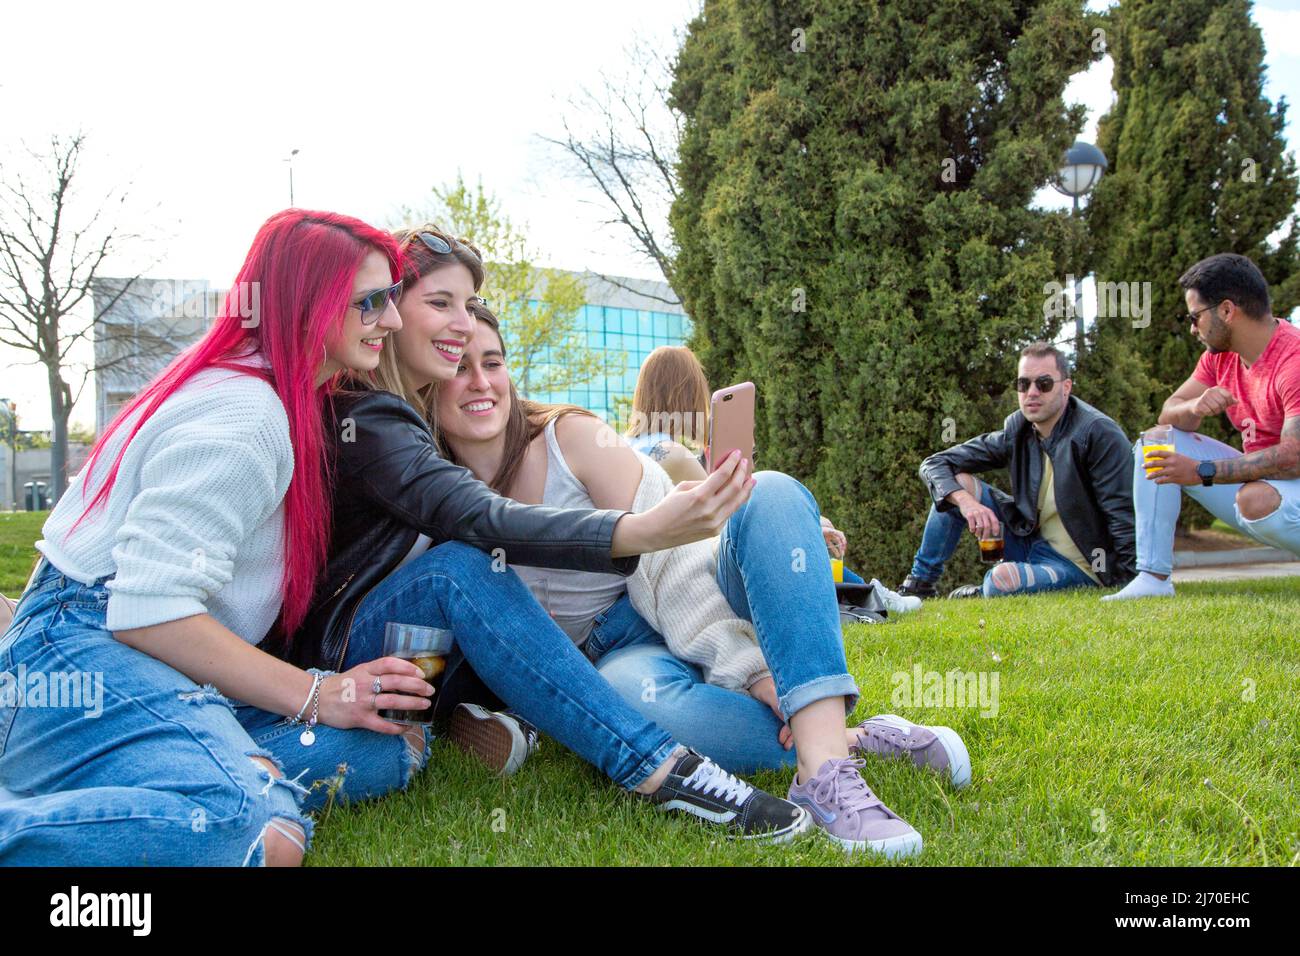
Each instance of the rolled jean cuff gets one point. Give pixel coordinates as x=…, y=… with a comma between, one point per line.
x=833, y=685
x=646, y=769
x=1151, y=566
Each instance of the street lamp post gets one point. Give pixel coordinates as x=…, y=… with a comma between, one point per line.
x=1084, y=164
x=289, y=160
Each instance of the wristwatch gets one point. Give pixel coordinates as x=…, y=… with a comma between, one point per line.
x=1206, y=470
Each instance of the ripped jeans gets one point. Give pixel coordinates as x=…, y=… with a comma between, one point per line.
x=1037, y=565
x=119, y=759
x=1157, y=506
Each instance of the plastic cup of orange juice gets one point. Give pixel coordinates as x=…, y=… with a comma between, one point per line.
x=1159, y=438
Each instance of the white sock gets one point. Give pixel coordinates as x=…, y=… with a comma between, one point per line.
x=1145, y=584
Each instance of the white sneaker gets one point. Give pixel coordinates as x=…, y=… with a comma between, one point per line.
x=1143, y=586
x=894, y=602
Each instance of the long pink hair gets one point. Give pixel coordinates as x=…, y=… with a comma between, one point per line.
x=299, y=273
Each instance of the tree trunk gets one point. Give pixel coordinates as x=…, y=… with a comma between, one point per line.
x=60, y=411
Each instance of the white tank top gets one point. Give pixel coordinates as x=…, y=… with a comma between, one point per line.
x=573, y=598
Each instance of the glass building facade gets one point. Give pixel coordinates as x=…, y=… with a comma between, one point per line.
x=614, y=328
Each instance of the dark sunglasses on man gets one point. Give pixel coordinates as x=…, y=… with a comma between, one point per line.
x=1193, y=318
x=373, y=304
x=1045, y=383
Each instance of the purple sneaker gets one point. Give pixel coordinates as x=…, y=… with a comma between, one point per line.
x=841, y=803
x=933, y=748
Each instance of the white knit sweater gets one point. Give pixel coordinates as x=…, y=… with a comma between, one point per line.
x=677, y=594
x=194, y=522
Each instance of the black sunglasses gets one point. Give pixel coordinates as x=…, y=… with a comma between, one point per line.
x=1194, y=317
x=373, y=304
x=1045, y=383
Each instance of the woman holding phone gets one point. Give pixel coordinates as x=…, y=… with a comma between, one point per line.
x=418, y=540
x=707, y=626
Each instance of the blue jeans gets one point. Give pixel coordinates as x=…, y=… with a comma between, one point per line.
x=518, y=652
x=145, y=766
x=775, y=572
x=1157, y=506
x=1040, y=566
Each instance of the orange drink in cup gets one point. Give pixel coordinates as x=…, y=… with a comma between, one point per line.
x=1159, y=438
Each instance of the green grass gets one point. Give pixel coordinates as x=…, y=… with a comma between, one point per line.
x=1111, y=720
x=18, y=530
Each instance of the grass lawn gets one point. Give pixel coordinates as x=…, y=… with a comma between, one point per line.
x=1163, y=733
x=18, y=530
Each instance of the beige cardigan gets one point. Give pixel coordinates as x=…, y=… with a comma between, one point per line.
x=677, y=594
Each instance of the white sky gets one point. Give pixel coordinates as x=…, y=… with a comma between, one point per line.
x=197, y=106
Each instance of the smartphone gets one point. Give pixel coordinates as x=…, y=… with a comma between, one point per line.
x=731, y=424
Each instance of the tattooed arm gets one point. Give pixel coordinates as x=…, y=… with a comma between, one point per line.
x=677, y=460
x=1280, y=461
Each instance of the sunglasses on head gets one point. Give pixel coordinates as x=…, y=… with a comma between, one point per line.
x=1045, y=383
x=441, y=246
x=373, y=304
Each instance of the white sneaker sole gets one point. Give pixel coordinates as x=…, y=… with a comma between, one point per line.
x=892, y=848
x=800, y=826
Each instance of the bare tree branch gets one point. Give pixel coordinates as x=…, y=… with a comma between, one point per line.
x=49, y=266
x=627, y=150
x=618, y=282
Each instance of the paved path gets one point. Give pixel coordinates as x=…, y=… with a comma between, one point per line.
x=1238, y=572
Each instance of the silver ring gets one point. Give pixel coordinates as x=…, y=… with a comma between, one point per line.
x=377, y=687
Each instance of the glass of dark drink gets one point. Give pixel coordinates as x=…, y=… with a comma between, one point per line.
x=991, y=547
x=426, y=648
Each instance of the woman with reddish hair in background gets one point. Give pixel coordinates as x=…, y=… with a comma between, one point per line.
x=202, y=514
x=669, y=422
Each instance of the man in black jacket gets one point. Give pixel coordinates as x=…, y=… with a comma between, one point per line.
x=1068, y=521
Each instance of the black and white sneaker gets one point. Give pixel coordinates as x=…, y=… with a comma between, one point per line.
x=500, y=740
x=913, y=586
x=698, y=786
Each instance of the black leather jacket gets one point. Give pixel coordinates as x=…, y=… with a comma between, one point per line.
x=391, y=486
x=1092, y=464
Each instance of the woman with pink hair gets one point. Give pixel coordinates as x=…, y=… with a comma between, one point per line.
x=202, y=518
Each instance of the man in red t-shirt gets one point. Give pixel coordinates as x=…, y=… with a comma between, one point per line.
x=1251, y=371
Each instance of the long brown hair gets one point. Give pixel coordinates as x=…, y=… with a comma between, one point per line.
x=418, y=260
x=527, y=419
x=672, y=395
